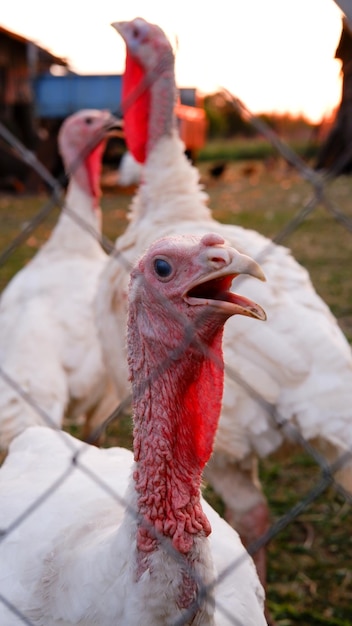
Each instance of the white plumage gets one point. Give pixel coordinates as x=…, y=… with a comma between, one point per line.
x=129, y=172
x=300, y=363
x=123, y=542
x=48, y=340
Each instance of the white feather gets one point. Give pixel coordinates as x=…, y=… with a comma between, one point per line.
x=69, y=559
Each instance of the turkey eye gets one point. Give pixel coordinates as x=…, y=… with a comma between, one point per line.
x=162, y=268
x=88, y=120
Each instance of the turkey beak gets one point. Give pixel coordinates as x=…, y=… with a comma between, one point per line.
x=120, y=28
x=247, y=265
x=225, y=260
x=114, y=127
x=222, y=265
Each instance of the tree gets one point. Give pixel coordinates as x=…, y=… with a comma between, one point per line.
x=335, y=154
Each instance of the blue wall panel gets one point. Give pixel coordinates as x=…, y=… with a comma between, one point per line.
x=60, y=96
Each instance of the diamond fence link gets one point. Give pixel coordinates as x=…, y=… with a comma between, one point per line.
x=319, y=196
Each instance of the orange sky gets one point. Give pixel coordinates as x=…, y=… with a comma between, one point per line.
x=274, y=55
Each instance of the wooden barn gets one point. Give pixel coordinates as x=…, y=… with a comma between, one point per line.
x=21, y=60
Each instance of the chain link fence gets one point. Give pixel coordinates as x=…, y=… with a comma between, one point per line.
x=319, y=197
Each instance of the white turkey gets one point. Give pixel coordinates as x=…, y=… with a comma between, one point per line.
x=129, y=172
x=298, y=367
x=49, y=346
x=129, y=541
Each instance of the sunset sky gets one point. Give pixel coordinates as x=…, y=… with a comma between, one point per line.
x=274, y=55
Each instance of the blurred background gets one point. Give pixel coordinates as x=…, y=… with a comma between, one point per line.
x=289, y=68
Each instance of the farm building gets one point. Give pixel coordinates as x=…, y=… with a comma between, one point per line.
x=20, y=61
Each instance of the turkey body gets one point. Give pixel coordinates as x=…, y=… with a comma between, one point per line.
x=49, y=345
x=46, y=341
x=101, y=536
x=80, y=556
x=129, y=172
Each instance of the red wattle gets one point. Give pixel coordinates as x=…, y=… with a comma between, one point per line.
x=135, y=111
x=202, y=407
x=93, y=163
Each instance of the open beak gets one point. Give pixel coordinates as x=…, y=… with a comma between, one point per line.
x=114, y=127
x=213, y=288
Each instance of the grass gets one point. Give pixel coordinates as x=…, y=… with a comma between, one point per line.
x=244, y=149
x=310, y=574
x=310, y=578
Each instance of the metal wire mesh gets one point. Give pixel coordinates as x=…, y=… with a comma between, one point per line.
x=319, y=197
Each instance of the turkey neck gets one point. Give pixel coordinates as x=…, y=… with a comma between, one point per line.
x=163, y=92
x=170, y=189
x=177, y=395
x=77, y=235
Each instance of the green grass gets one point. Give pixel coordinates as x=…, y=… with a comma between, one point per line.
x=310, y=572
x=245, y=149
x=310, y=578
